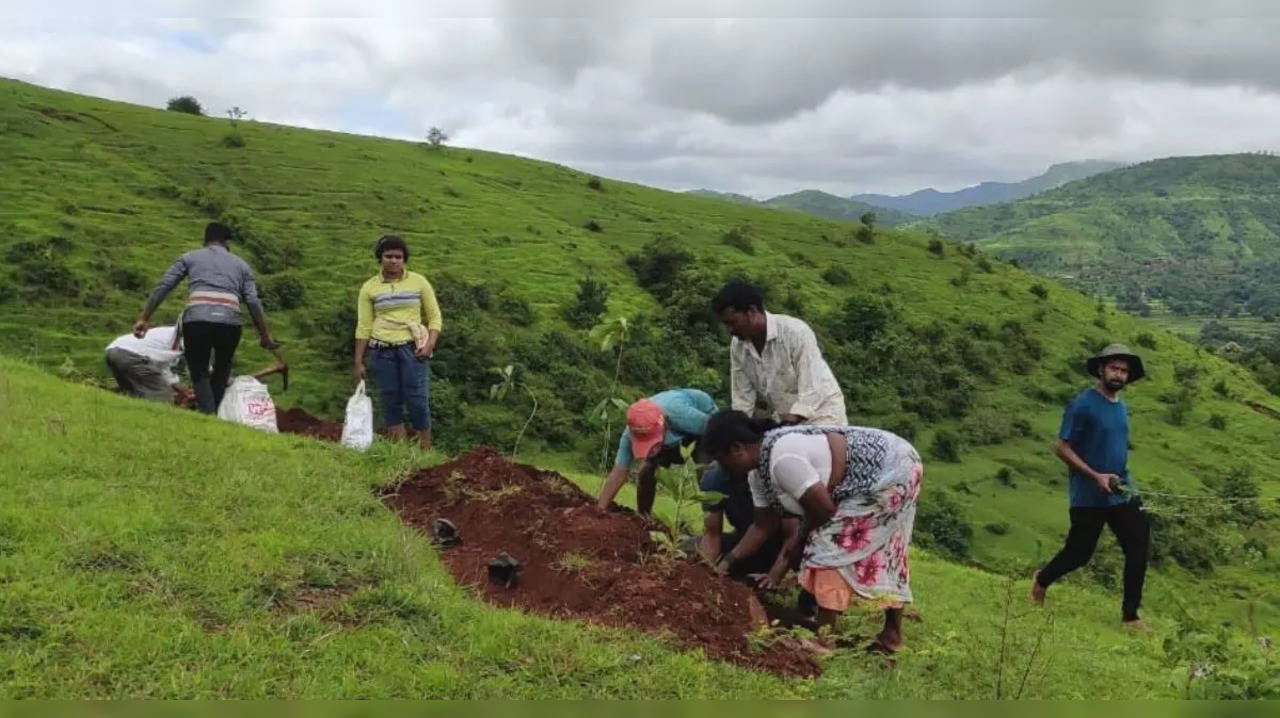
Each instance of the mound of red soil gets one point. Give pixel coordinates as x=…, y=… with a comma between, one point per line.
x=580, y=562
x=298, y=421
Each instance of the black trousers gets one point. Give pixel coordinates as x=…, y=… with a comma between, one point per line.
x=1132, y=529
x=203, y=341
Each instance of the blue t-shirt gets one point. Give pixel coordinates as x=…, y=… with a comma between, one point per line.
x=1098, y=431
x=736, y=505
x=686, y=412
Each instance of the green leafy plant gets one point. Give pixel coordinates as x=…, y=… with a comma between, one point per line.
x=611, y=335
x=500, y=391
x=681, y=486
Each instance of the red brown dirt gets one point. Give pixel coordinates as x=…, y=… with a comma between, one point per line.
x=298, y=421
x=580, y=562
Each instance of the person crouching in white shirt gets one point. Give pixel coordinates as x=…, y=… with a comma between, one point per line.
x=145, y=367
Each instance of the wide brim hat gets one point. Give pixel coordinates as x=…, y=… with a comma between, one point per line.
x=1117, y=351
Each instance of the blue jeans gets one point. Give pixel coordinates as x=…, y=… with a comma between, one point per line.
x=403, y=380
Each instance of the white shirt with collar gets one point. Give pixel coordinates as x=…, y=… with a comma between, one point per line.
x=789, y=374
x=157, y=345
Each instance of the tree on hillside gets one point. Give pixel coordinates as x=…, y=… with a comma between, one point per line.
x=235, y=114
x=868, y=218
x=436, y=137
x=187, y=104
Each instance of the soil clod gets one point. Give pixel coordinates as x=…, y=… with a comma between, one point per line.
x=444, y=534
x=504, y=570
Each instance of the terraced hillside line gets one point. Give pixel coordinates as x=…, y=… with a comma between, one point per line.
x=579, y=562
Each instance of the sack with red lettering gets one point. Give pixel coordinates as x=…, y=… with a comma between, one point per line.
x=248, y=402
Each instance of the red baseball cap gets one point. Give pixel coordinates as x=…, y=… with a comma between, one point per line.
x=648, y=426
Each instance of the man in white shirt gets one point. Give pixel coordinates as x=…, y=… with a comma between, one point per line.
x=144, y=367
x=776, y=358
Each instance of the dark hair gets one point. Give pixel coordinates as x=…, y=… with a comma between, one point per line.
x=729, y=427
x=390, y=241
x=740, y=295
x=217, y=232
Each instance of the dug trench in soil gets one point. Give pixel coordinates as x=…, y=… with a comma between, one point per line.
x=580, y=562
x=298, y=421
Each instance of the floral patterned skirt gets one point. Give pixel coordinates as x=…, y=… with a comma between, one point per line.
x=866, y=540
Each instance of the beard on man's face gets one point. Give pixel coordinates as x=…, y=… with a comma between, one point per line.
x=1115, y=384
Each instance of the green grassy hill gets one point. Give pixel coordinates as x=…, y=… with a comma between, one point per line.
x=828, y=205
x=139, y=562
x=939, y=342
x=1202, y=234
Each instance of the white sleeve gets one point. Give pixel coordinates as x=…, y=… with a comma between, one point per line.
x=760, y=495
x=793, y=474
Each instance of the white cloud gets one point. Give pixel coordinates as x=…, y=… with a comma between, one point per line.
x=759, y=105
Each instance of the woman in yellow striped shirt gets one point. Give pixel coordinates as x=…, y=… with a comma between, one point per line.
x=398, y=319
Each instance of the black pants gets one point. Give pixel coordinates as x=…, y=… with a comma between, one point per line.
x=202, y=341
x=1133, y=532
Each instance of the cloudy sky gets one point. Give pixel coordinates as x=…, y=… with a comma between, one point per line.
x=747, y=96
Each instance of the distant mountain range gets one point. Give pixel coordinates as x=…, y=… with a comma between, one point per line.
x=894, y=210
x=928, y=202
x=815, y=202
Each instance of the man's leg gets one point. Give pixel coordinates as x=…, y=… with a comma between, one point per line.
x=415, y=377
x=1133, y=532
x=197, y=342
x=1082, y=539
x=150, y=382
x=386, y=374
x=119, y=362
x=226, y=339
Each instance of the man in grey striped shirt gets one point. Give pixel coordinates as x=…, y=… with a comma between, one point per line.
x=217, y=283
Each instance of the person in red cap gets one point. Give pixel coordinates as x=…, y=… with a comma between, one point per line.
x=656, y=429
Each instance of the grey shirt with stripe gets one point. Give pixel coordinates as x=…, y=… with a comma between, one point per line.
x=212, y=268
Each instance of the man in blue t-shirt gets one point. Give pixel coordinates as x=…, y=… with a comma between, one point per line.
x=1094, y=444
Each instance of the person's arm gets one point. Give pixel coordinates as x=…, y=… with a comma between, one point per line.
x=249, y=293
x=434, y=320
x=741, y=390
x=818, y=507
x=364, y=329
x=792, y=543
x=1071, y=458
x=612, y=485
x=170, y=279
x=618, y=475
x=810, y=368
x=712, y=529
x=764, y=522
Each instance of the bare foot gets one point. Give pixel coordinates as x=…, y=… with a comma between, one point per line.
x=1037, y=591
x=1137, y=625
x=887, y=642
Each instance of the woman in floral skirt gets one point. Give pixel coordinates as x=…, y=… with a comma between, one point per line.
x=856, y=489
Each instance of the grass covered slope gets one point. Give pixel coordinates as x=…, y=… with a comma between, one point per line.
x=150, y=552
x=968, y=356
